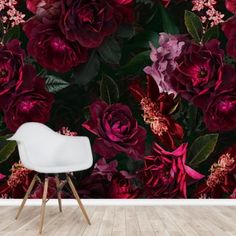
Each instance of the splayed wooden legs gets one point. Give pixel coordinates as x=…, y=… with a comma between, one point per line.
x=58, y=191
x=59, y=186
x=78, y=198
x=26, y=196
x=44, y=201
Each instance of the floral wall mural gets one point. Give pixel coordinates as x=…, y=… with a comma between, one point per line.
x=151, y=83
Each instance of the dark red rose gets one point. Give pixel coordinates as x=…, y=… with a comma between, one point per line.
x=50, y=48
x=231, y=5
x=90, y=21
x=122, y=187
x=220, y=112
x=229, y=28
x=166, y=174
x=31, y=102
x=157, y=108
x=11, y=63
x=116, y=129
x=196, y=74
x=221, y=181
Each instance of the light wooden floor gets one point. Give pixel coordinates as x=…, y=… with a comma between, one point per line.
x=122, y=220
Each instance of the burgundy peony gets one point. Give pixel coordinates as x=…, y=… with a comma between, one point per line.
x=157, y=108
x=220, y=112
x=229, y=28
x=90, y=21
x=166, y=174
x=196, y=74
x=50, y=48
x=11, y=63
x=30, y=102
x=231, y=5
x=116, y=130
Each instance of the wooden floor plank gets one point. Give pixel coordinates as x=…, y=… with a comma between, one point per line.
x=122, y=221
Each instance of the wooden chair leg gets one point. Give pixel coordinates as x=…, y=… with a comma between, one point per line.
x=44, y=200
x=78, y=199
x=58, y=192
x=26, y=196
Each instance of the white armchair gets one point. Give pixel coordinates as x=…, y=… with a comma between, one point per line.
x=46, y=151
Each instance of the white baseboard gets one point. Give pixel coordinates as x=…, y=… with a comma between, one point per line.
x=126, y=202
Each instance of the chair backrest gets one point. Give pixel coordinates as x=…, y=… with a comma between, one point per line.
x=42, y=147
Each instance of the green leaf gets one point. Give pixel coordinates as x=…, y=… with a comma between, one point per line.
x=5, y=137
x=1, y=29
x=7, y=150
x=110, y=51
x=109, y=90
x=193, y=25
x=85, y=73
x=136, y=64
x=12, y=33
x=212, y=33
x=201, y=148
x=168, y=24
x=55, y=84
x=143, y=39
x=146, y=2
x=125, y=31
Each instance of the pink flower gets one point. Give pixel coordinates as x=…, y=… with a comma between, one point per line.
x=166, y=174
x=105, y=169
x=17, y=183
x=116, y=130
x=221, y=180
x=67, y=132
x=163, y=58
x=156, y=108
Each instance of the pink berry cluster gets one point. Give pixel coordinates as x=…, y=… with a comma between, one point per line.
x=209, y=14
x=10, y=16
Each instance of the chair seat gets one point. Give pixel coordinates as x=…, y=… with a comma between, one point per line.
x=59, y=169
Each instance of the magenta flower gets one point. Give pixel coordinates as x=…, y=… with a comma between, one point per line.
x=163, y=59
x=166, y=174
x=116, y=130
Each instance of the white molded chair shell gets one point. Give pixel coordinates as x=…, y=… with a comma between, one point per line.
x=46, y=151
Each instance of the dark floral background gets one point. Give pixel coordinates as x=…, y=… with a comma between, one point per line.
x=151, y=83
